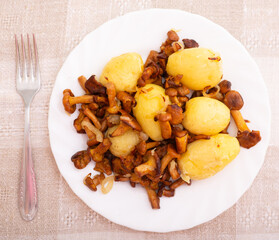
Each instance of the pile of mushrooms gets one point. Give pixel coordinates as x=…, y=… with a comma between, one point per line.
x=151, y=164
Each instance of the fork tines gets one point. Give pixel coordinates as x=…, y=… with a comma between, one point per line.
x=27, y=62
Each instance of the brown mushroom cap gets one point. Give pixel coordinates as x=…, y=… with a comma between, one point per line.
x=81, y=159
x=176, y=113
x=190, y=43
x=67, y=94
x=172, y=36
x=94, y=87
x=225, y=86
x=172, y=92
x=183, y=91
x=163, y=117
x=248, y=139
x=233, y=100
x=179, y=133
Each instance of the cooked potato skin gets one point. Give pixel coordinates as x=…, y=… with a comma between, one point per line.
x=197, y=69
x=205, y=116
x=124, y=71
x=151, y=100
x=122, y=145
x=204, y=158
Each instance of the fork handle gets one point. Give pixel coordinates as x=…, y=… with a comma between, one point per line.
x=27, y=187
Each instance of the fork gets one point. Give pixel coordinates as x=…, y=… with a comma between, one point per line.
x=27, y=85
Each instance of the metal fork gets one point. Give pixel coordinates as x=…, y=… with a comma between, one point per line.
x=27, y=85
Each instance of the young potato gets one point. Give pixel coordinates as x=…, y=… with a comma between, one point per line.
x=204, y=158
x=206, y=116
x=124, y=71
x=197, y=67
x=122, y=145
x=151, y=100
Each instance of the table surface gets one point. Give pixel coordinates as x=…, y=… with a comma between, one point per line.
x=59, y=26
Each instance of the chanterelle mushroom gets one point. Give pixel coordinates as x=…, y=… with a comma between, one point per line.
x=81, y=159
x=70, y=101
x=225, y=86
x=246, y=138
x=233, y=100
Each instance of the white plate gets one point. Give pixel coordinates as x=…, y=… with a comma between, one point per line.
x=140, y=32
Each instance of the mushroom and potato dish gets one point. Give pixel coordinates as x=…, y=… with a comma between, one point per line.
x=158, y=124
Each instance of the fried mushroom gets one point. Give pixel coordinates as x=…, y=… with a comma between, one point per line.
x=81, y=159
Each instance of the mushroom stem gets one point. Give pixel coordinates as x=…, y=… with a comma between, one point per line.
x=177, y=183
x=153, y=198
x=165, y=129
x=181, y=140
x=92, y=117
x=150, y=145
x=171, y=154
x=164, y=121
x=168, y=192
x=82, y=81
x=81, y=99
x=141, y=148
x=111, y=92
x=239, y=121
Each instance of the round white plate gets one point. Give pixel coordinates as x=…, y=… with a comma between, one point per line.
x=203, y=200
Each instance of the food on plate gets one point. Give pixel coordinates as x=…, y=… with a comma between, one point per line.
x=200, y=67
x=160, y=124
x=206, y=116
x=204, y=158
x=151, y=99
x=123, y=71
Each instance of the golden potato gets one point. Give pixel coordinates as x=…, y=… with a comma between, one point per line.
x=204, y=158
x=206, y=116
x=151, y=100
x=122, y=145
x=196, y=67
x=124, y=71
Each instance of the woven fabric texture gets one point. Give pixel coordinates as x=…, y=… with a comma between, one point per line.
x=59, y=26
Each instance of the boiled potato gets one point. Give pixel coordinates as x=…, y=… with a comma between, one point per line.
x=122, y=145
x=151, y=100
x=124, y=71
x=204, y=158
x=197, y=69
x=206, y=116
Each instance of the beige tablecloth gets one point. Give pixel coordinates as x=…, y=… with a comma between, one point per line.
x=59, y=26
